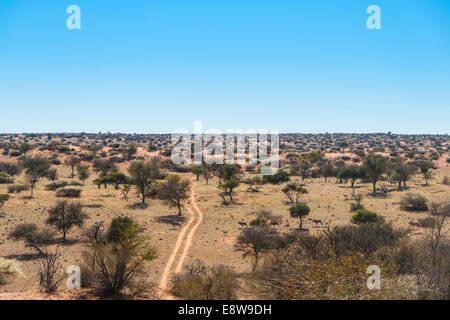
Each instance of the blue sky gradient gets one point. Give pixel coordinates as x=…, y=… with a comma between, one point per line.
x=146, y=66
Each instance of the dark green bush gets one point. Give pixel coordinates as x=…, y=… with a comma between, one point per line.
x=414, y=202
x=366, y=216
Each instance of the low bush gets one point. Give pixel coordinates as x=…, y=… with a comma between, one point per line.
x=427, y=222
x=55, y=185
x=366, y=216
x=414, y=202
x=5, y=178
x=8, y=270
x=10, y=168
x=17, y=188
x=15, y=153
x=200, y=282
x=69, y=192
x=446, y=181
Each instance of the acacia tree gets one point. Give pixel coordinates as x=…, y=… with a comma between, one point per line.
x=114, y=261
x=228, y=187
x=174, y=191
x=103, y=166
x=293, y=192
x=351, y=173
x=403, y=172
x=24, y=148
x=114, y=178
x=35, y=169
x=327, y=169
x=64, y=216
x=425, y=169
x=72, y=162
x=142, y=176
x=374, y=167
x=197, y=171
x=128, y=150
x=83, y=172
x=303, y=168
x=255, y=241
x=208, y=171
x=299, y=210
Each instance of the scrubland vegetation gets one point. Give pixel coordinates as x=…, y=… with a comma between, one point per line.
x=119, y=208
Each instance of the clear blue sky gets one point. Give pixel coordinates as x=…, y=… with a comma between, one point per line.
x=149, y=66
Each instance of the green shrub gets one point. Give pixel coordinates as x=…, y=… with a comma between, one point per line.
x=17, y=188
x=15, y=153
x=69, y=192
x=8, y=269
x=366, y=216
x=278, y=178
x=55, y=185
x=5, y=178
x=414, y=202
x=200, y=282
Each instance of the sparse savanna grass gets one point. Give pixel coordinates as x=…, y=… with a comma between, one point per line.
x=214, y=239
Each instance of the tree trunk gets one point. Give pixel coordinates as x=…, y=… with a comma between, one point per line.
x=374, y=187
x=301, y=223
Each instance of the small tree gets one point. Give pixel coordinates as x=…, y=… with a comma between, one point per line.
x=303, y=168
x=114, y=262
x=353, y=173
x=103, y=166
x=256, y=240
x=142, y=176
x=64, y=216
x=374, y=167
x=114, y=178
x=208, y=171
x=425, y=169
x=35, y=169
x=174, y=191
x=293, y=192
x=50, y=275
x=197, y=171
x=128, y=150
x=24, y=148
x=83, y=172
x=228, y=187
x=299, y=210
x=403, y=172
x=327, y=170
x=72, y=162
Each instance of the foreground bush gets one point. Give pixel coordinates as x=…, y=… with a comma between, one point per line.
x=8, y=270
x=114, y=261
x=414, y=202
x=200, y=282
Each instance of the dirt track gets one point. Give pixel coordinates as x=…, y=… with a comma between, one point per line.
x=196, y=216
